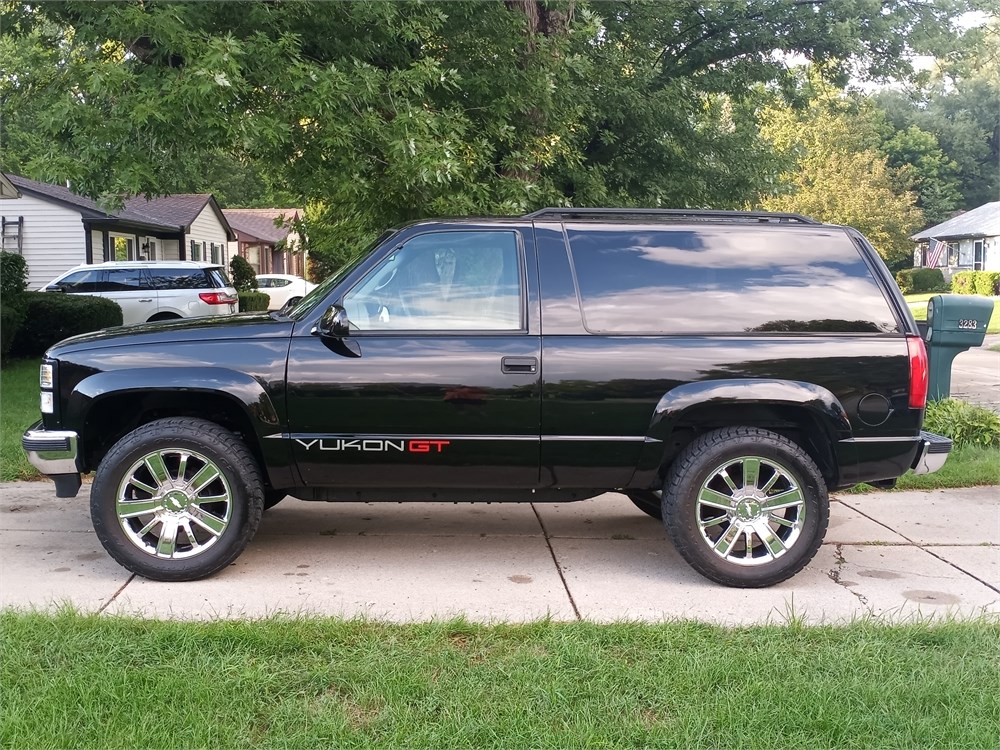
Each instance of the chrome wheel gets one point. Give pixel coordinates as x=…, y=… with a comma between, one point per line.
x=174, y=503
x=750, y=510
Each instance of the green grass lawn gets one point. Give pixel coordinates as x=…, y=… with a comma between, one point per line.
x=18, y=409
x=967, y=466
x=918, y=306
x=91, y=681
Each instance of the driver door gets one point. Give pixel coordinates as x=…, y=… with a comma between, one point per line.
x=438, y=384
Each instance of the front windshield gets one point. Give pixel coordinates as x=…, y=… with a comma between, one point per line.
x=317, y=295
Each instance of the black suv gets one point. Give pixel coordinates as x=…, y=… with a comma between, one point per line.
x=724, y=370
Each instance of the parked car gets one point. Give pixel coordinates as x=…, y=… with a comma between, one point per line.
x=283, y=288
x=148, y=291
x=724, y=370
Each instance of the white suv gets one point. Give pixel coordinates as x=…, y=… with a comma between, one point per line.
x=149, y=291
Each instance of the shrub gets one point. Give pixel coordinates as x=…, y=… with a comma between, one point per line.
x=963, y=282
x=986, y=283
x=52, y=317
x=964, y=423
x=916, y=280
x=253, y=301
x=244, y=278
x=13, y=277
x=11, y=320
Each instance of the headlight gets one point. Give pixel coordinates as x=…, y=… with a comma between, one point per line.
x=46, y=402
x=45, y=376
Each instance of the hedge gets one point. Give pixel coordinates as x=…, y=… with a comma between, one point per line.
x=916, y=280
x=986, y=283
x=52, y=317
x=253, y=301
x=11, y=320
x=13, y=277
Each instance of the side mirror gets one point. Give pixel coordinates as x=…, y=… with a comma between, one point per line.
x=334, y=323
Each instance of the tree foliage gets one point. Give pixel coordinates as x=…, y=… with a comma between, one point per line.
x=839, y=175
x=378, y=112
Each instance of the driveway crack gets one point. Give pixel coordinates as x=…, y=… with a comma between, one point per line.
x=835, y=575
x=115, y=595
x=555, y=561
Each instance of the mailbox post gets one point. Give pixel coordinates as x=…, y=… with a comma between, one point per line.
x=955, y=323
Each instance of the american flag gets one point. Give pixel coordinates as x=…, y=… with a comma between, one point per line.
x=934, y=251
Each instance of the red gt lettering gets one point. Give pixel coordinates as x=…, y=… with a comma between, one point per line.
x=425, y=446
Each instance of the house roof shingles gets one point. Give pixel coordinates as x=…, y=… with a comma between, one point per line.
x=177, y=210
x=57, y=192
x=259, y=222
x=983, y=221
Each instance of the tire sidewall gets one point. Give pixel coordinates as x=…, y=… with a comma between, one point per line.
x=103, y=497
x=681, y=515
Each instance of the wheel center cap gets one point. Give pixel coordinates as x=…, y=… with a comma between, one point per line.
x=748, y=510
x=175, y=501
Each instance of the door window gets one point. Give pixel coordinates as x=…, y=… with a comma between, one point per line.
x=81, y=282
x=443, y=281
x=123, y=280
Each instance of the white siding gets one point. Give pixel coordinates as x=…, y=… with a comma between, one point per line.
x=53, y=240
x=206, y=229
x=992, y=249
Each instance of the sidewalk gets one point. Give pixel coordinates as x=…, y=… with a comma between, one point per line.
x=897, y=555
x=975, y=375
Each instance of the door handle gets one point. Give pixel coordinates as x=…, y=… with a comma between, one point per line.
x=146, y=300
x=519, y=365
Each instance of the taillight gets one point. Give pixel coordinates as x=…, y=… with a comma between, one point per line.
x=216, y=298
x=918, y=371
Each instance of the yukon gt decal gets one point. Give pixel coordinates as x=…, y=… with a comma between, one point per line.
x=374, y=445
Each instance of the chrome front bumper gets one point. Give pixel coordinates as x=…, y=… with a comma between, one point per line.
x=933, y=452
x=54, y=452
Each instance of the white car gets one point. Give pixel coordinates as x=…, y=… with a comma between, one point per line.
x=148, y=291
x=283, y=288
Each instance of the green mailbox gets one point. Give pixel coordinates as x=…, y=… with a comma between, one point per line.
x=955, y=323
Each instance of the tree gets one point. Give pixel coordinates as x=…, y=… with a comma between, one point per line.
x=839, y=175
x=385, y=112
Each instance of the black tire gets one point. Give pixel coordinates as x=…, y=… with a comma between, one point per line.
x=648, y=501
x=163, y=316
x=713, y=539
x=188, y=477
x=273, y=497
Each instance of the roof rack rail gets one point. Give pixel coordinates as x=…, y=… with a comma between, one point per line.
x=762, y=217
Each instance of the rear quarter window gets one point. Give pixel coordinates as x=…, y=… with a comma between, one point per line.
x=724, y=279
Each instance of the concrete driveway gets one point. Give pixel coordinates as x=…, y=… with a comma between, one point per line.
x=975, y=375
x=893, y=555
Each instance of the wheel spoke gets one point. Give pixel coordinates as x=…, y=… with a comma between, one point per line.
x=728, y=480
x=748, y=541
x=158, y=468
x=168, y=538
x=143, y=486
x=212, y=524
x=714, y=499
x=727, y=540
x=132, y=508
x=787, y=499
x=189, y=533
x=775, y=476
x=751, y=472
x=148, y=527
x=781, y=521
x=205, y=476
x=713, y=521
x=182, y=466
x=772, y=543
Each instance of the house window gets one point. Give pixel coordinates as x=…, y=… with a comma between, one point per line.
x=953, y=257
x=215, y=252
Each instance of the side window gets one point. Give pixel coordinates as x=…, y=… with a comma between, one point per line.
x=444, y=281
x=179, y=278
x=81, y=282
x=280, y=282
x=265, y=283
x=722, y=279
x=123, y=280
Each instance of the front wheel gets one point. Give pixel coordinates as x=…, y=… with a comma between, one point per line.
x=745, y=507
x=177, y=499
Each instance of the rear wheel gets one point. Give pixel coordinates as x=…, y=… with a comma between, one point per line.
x=177, y=499
x=745, y=507
x=163, y=316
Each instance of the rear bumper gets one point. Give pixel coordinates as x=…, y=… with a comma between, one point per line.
x=932, y=454
x=54, y=453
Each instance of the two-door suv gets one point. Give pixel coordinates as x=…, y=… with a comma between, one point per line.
x=724, y=370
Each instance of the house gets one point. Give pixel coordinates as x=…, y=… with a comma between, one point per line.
x=55, y=229
x=267, y=239
x=972, y=242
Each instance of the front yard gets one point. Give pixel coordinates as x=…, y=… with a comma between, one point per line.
x=918, y=306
